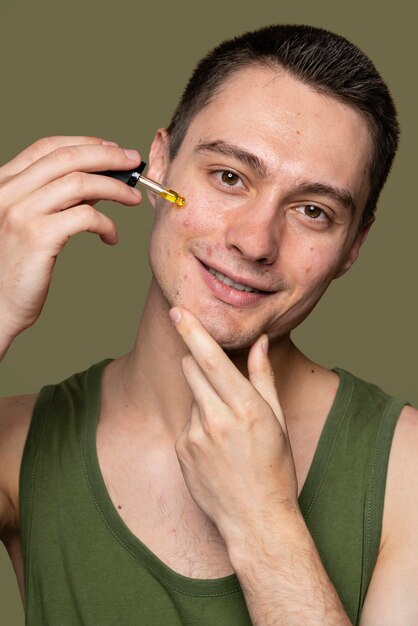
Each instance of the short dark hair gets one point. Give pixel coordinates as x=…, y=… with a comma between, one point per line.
x=323, y=60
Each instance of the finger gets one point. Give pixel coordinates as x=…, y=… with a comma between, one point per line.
x=204, y=394
x=43, y=147
x=193, y=425
x=78, y=188
x=79, y=219
x=64, y=160
x=196, y=418
x=231, y=386
x=262, y=377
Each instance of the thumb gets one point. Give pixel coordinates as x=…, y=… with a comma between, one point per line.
x=262, y=377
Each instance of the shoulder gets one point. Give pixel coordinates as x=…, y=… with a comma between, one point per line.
x=15, y=418
x=397, y=563
x=401, y=501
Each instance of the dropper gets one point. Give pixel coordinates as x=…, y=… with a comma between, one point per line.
x=132, y=177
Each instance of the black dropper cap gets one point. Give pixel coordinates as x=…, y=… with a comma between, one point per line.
x=130, y=177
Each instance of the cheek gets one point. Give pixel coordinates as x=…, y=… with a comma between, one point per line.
x=200, y=215
x=313, y=265
x=174, y=226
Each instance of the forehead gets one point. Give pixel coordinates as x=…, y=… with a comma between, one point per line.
x=296, y=130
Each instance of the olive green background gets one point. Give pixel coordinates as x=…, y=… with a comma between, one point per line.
x=116, y=70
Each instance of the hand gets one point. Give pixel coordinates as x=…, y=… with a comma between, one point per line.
x=234, y=452
x=46, y=196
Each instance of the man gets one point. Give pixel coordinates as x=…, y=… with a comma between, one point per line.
x=206, y=477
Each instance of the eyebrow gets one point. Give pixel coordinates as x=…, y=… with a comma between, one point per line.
x=230, y=150
x=340, y=195
x=337, y=194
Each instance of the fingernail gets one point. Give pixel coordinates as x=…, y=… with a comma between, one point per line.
x=133, y=155
x=175, y=315
x=265, y=344
x=136, y=192
x=109, y=143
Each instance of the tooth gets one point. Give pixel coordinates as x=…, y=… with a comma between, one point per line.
x=230, y=282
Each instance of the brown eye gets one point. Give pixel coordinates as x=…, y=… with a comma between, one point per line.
x=312, y=211
x=230, y=178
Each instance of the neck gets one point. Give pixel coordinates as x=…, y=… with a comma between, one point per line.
x=149, y=382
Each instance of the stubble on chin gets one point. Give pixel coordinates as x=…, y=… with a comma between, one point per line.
x=226, y=330
x=228, y=333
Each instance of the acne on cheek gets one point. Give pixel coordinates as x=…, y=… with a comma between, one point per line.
x=310, y=261
x=198, y=214
x=321, y=261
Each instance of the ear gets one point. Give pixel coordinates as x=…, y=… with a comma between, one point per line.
x=158, y=160
x=355, y=248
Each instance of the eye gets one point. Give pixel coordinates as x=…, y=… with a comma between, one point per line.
x=313, y=212
x=228, y=178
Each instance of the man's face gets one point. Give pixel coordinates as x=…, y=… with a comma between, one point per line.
x=275, y=177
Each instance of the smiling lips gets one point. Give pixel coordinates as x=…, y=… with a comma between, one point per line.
x=229, y=290
x=228, y=281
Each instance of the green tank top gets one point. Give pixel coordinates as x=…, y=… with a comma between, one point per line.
x=83, y=567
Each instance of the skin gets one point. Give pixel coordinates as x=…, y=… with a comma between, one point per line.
x=185, y=413
x=264, y=235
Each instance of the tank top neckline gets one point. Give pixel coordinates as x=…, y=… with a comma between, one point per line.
x=137, y=549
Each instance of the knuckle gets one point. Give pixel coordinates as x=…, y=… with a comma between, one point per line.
x=16, y=225
x=75, y=180
x=217, y=429
x=88, y=211
x=111, y=152
x=253, y=415
x=15, y=219
x=195, y=437
x=210, y=362
x=46, y=144
x=250, y=410
x=84, y=212
x=64, y=154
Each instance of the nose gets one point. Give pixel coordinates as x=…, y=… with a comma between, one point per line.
x=254, y=233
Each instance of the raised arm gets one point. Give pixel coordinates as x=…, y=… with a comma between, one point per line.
x=46, y=195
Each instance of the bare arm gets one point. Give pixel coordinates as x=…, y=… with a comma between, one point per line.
x=284, y=581
x=392, y=597
x=15, y=416
x=47, y=194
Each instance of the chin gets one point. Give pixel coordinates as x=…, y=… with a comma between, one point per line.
x=229, y=334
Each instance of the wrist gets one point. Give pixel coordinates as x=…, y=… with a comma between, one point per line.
x=267, y=539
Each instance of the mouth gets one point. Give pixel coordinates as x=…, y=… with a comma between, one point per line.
x=231, y=283
x=229, y=290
